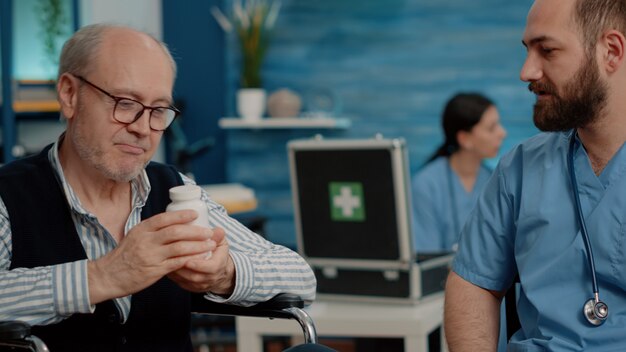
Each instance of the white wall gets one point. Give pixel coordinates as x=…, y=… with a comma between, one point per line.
x=144, y=15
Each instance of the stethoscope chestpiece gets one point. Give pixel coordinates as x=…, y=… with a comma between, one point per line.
x=596, y=311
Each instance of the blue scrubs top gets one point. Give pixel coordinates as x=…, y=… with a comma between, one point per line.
x=526, y=222
x=441, y=205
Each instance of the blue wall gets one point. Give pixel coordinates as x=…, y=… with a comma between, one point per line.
x=197, y=44
x=392, y=64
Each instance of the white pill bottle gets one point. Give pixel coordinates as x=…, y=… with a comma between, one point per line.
x=189, y=197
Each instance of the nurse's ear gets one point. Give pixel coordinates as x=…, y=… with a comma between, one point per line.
x=465, y=140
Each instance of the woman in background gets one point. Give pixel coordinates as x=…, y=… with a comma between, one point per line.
x=446, y=188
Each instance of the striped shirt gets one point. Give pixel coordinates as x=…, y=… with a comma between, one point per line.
x=47, y=295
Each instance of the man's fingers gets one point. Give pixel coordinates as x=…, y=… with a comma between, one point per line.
x=174, y=264
x=188, y=248
x=218, y=234
x=183, y=233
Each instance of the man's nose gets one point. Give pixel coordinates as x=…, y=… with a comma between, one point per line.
x=531, y=70
x=142, y=124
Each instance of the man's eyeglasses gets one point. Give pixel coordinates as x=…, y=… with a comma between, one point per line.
x=129, y=110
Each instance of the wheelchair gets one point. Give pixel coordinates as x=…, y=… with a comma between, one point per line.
x=16, y=336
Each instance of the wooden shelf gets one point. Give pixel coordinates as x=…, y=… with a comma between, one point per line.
x=35, y=106
x=284, y=122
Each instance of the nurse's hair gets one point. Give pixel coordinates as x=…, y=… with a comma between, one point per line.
x=462, y=112
x=595, y=16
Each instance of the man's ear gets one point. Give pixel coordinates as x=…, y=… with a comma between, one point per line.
x=612, y=45
x=67, y=91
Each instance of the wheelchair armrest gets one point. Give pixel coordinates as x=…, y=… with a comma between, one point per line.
x=273, y=308
x=14, y=330
x=15, y=335
x=282, y=306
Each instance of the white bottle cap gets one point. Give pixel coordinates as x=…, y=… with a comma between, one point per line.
x=186, y=192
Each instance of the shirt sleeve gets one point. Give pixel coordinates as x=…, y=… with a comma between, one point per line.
x=486, y=248
x=263, y=269
x=42, y=295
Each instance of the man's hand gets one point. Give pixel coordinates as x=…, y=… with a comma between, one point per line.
x=215, y=275
x=152, y=249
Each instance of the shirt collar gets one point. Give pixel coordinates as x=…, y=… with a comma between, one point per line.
x=140, y=185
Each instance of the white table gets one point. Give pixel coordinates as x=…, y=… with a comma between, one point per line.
x=413, y=323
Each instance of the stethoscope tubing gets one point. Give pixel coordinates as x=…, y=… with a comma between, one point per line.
x=581, y=218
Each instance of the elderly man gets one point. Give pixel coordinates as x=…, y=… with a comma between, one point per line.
x=87, y=254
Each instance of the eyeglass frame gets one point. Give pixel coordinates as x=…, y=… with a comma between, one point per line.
x=117, y=99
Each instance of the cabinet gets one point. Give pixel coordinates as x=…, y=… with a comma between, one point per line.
x=22, y=55
x=35, y=118
x=285, y=122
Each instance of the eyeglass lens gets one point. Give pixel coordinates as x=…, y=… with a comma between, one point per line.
x=128, y=111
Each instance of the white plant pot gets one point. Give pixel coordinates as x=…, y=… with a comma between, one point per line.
x=251, y=103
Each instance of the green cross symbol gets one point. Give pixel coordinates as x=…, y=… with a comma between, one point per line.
x=346, y=201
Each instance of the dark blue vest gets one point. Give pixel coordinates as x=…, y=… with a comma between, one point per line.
x=43, y=233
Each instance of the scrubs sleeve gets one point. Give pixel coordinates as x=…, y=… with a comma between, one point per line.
x=486, y=256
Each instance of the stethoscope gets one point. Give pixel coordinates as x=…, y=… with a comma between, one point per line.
x=595, y=310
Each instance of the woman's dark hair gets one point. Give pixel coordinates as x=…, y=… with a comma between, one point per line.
x=462, y=113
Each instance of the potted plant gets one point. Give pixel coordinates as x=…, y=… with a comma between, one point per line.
x=54, y=22
x=253, y=21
